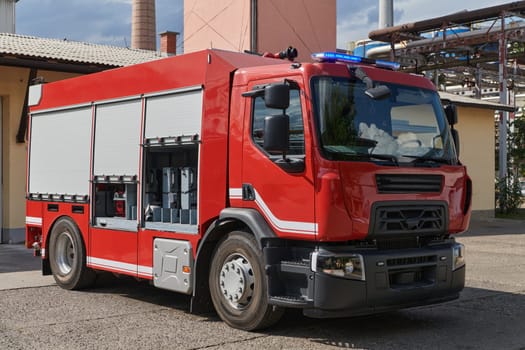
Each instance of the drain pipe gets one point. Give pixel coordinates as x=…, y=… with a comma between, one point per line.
x=253, y=26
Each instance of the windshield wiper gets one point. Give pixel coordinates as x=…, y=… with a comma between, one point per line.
x=423, y=159
x=373, y=156
x=338, y=154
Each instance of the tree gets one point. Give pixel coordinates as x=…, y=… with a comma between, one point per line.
x=517, y=145
x=508, y=189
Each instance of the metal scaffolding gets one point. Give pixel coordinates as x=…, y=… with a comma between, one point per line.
x=479, y=53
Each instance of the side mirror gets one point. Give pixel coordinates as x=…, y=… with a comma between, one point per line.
x=452, y=114
x=276, y=139
x=277, y=96
x=276, y=133
x=455, y=137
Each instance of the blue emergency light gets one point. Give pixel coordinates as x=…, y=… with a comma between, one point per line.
x=343, y=57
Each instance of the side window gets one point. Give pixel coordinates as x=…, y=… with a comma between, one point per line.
x=294, y=112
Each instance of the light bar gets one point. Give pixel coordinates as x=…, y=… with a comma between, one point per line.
x=387, y=64
x=343, y=57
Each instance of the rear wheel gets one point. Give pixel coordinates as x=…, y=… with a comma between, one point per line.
x=67, y=256
x=238, y=285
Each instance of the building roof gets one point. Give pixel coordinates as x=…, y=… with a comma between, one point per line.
x=67, y=51
x=473, y=102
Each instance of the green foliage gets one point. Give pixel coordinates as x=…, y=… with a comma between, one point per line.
x=508, y=194
x=508, y=189
x=517, y=145
x=516, y=48
x=340, y=110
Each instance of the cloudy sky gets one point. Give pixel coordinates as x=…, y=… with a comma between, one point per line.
x=109, y=21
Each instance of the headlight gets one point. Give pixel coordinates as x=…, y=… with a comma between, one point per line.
x=347, y=266
x=458, y=256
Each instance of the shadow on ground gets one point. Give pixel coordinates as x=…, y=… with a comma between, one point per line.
x=480, y=319
x=17, y=258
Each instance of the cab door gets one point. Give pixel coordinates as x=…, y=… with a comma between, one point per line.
x=283, y=195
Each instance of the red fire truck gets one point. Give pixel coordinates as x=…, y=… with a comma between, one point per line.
x=253, y=184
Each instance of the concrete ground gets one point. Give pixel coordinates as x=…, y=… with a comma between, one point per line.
x=20, y=269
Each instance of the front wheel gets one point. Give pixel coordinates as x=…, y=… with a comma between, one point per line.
x=67, y=256
x=238, y=285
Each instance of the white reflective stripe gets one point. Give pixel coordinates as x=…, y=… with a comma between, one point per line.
x=308, y=228
x=283, y=225
x=145, y=270
x=43, y=252
x=31, y=220
x=119, y=266
x=236, y=193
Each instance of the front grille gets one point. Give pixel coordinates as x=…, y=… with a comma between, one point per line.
x=413, y=260
x=407, y=242
x=408, y=219
x=395, y=183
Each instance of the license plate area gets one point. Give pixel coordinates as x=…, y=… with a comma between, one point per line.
x=412, y=278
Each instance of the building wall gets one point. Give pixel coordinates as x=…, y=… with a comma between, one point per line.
x=13, y=85
x=216, y=24
x=308, y=25
x=476, y=133
x=12, y=89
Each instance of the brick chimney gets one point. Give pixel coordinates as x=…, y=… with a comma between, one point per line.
x=143, y=27
x=168, y=42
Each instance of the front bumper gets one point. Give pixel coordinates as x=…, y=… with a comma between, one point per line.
x=394, y=279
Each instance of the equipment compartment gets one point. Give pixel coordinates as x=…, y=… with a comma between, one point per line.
x=170, y=190
x=115, y=204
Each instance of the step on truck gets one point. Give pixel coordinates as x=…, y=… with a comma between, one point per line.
x=251, y=183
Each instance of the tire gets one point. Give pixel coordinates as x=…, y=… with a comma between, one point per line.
x=238, y=284
x=67, y=256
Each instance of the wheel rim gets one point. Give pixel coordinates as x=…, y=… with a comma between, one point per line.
x=236, y=281
x=65, y=253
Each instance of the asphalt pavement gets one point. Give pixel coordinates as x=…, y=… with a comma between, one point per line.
x=20, y=269
x=126, y=314
x=494, y=226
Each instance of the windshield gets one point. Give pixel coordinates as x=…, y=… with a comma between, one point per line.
x=407, y=126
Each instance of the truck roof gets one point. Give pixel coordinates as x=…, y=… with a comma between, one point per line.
x=202, y=68
x=169, y=73
x=310, y=69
